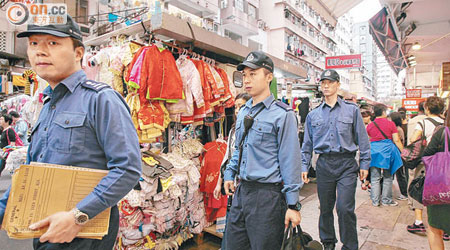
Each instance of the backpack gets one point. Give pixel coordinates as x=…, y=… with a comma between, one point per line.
x=412, y=153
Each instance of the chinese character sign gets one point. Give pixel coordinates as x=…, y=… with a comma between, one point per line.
x=342, y=62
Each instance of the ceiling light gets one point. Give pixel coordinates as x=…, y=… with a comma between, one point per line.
x=413, y=63
x=410, y=58
x=416, y=46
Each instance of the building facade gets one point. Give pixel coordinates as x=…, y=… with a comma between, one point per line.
x=363, y=44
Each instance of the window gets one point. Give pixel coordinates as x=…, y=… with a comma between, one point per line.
x=252, y=11
x=239, y=4
x=362, y=29
x=3, y=41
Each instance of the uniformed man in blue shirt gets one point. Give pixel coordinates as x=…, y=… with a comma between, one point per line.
x=83, y=123
x=335, y=130
x=267, y=162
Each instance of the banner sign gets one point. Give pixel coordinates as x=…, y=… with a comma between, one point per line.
x=412, y=104
x=343, y=62
x=413, y=93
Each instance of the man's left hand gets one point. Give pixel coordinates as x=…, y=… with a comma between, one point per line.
x=61, y=227
x=363, y=174
x=292, y=216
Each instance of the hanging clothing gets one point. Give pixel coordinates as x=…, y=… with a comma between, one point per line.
x=211, y=162
x=192, y=88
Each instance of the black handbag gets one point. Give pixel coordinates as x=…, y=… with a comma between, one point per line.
x=296, y=239
x=415, y=189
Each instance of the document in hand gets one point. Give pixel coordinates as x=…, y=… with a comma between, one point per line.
x=40, y=190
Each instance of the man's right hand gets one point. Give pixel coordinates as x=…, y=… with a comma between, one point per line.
x=229, y=187
x=305, y=178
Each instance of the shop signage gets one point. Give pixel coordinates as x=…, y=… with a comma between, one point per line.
x=413, y=93
x=412, y=104
x=343, y=62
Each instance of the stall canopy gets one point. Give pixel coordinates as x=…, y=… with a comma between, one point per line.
x=382, y=30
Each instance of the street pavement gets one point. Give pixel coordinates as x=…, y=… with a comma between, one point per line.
x=378, y=227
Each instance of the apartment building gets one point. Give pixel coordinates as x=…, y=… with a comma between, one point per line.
x=363, y=44
x=300, y=34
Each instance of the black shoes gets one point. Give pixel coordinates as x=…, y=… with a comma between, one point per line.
x=328, y=246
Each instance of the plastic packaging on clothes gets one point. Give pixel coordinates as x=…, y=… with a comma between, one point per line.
x=16, y=158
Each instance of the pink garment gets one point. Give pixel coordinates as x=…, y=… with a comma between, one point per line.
x=192, y=87
x=135, y=75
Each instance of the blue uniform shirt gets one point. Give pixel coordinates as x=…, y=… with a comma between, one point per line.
x=335, y=130
x=271, y=151
x=88, y=124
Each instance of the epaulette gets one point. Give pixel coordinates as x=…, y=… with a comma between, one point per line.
x=283, y=105
x=349, y=102
x=96, y=86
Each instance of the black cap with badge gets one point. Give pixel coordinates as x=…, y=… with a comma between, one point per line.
x=256, y=60
x=330, y=74
x=69, y=29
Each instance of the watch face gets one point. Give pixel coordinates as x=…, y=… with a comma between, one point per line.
x=82, y=218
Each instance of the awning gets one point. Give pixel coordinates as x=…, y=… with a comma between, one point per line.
x=13, y=59
x=382, y=30
x=172, y=27
x=331, y=10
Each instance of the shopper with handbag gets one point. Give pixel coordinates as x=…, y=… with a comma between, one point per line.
x=437, y=161
x=386, y=160
x=425, y=128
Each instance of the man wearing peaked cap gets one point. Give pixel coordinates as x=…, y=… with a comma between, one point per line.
x=83, y=123
x=267, y=162
x=335, y=130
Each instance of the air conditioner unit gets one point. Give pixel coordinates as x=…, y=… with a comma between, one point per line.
x=85, y=29
x=261, y=24
x=223, y=4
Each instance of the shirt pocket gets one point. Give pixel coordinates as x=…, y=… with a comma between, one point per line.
x=262, y=133
x=68, y=133
x=345, y=125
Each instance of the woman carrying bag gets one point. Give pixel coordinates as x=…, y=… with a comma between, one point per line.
x=437, y=180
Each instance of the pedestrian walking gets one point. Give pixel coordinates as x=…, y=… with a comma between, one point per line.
x=402, y=173
x=385, y=148
x=335, y=130
x=433, y=108
x=438, y=215
x=267, y=162
x=83, y=123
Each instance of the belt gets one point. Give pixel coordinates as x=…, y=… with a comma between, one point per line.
x=340, y=154
x=260, y=185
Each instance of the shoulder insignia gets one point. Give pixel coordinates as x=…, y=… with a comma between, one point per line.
x=352, y=103
x=283, y=105
x=96, y=86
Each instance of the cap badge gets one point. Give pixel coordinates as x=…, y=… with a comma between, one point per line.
x=250, y=57
x=327, y=73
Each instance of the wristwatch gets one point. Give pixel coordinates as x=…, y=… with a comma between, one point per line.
x=295, y=207
x=80, y=217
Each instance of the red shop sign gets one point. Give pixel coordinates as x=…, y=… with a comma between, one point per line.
x=342, y=62
x=412, y=104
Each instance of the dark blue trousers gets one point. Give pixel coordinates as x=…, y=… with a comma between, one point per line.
x=337, y=174
x=256, y=217
x=106, y=243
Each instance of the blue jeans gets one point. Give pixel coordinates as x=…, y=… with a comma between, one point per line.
x=386, y=192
